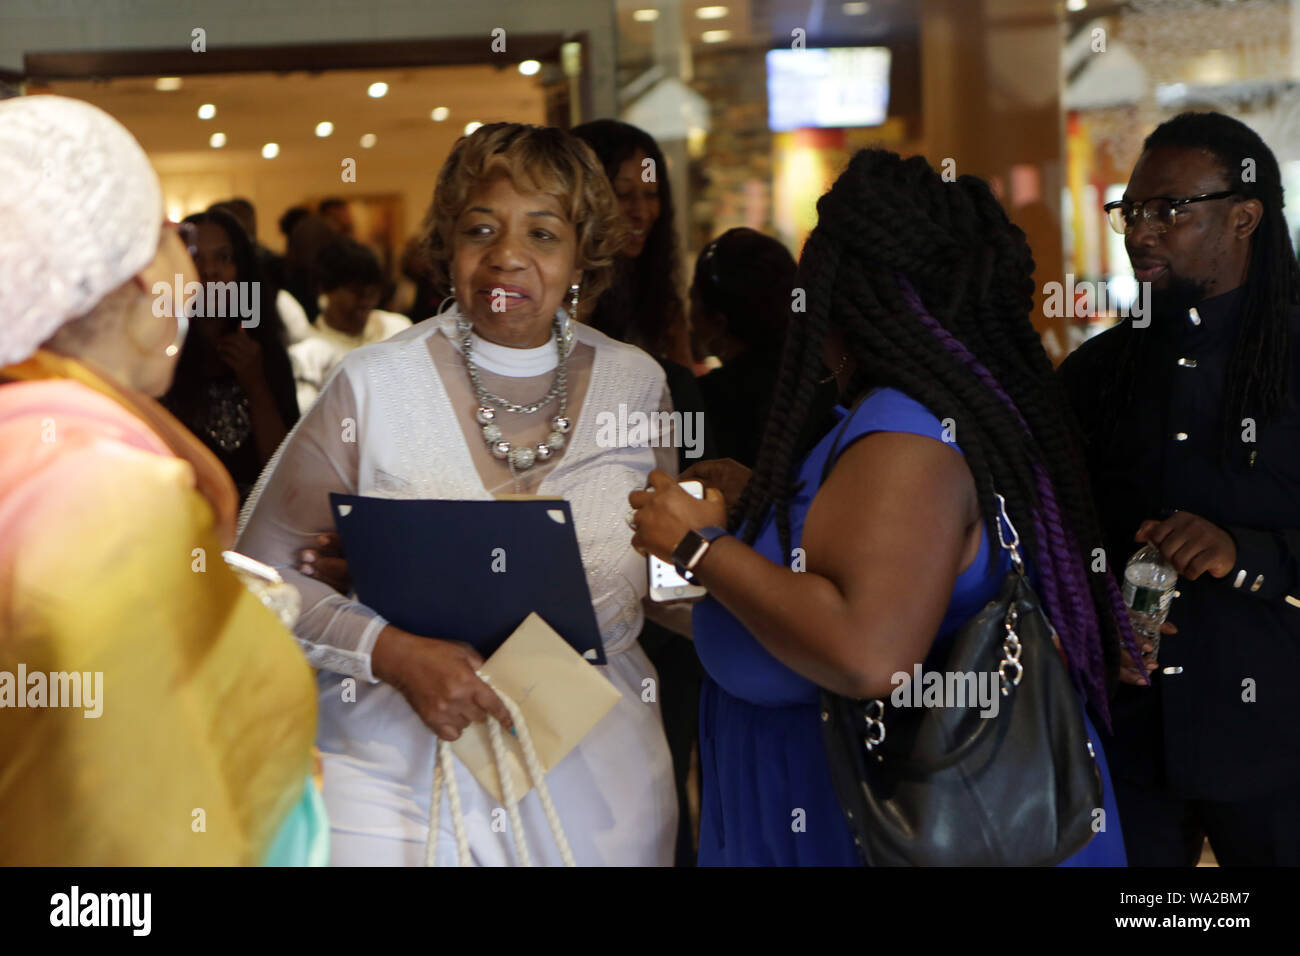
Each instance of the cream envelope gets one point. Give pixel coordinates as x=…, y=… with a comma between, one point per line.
x=561, y=696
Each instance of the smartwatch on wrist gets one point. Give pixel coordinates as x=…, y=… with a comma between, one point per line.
x=692, y=548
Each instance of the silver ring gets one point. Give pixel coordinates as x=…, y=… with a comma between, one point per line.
x=631, y=520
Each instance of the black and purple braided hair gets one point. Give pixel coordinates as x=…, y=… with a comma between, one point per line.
x=1062, y=572
x=930, y=287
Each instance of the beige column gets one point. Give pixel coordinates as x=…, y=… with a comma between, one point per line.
x=991, y=103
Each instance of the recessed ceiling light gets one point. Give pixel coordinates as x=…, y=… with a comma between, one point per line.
x=377, y=90
x=715, y=36
x=167, y=84
x=207, y=111
x=470, y=127
x=1074, y=6
x=369, y=140
x=439, y=114
x=270, y=150
x=645, y=16
x=217, y=140
x=324, y=128
x=529, y=67
x=710, y=13
x=855, y=8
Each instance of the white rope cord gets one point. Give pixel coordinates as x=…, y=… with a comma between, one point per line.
x=508, y=791
x=443, y=769
x=538, y=775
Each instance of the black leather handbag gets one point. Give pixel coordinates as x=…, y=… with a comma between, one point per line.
x=945, y=786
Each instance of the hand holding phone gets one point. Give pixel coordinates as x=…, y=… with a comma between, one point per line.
x=666, y=584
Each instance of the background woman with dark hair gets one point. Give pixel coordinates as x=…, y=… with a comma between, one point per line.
x=643, y=307
x=741, y=300
x=295, y=326
x=919, y=293
x=234, y=386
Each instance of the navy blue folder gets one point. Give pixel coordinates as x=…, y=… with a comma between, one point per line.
x=469, y=570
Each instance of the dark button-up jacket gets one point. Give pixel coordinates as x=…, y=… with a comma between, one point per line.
x=1221, y=720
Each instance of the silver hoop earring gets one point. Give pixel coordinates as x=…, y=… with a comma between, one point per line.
x=182, y=330
x=451, y=297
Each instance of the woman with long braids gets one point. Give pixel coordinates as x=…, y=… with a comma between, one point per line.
x=918, y=300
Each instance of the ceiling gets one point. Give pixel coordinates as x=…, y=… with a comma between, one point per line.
x=256, y=108
x=764, y=22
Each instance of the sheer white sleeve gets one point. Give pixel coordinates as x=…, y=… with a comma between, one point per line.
x=666, y=451
x=290, y=506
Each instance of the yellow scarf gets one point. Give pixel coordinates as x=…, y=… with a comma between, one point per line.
x=198, y=739
x=210, y=476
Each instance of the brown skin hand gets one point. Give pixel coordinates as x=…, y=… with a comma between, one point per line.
x=1193, y=545
x=725, y=474
x=326, y=562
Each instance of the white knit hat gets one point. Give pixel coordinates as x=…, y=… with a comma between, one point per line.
x=80, y=210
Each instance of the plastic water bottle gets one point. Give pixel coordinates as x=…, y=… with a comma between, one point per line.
x=1148, y=591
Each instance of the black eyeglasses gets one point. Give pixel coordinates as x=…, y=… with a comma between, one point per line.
x=1159, y=212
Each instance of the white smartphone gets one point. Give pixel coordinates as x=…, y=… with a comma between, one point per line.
x=666, y=584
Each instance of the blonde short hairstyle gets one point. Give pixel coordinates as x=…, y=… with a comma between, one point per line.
x=540, y=159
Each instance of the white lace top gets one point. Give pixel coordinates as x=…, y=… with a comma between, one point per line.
x=397, y=420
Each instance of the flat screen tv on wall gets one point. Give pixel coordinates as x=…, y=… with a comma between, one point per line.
x=826, y=88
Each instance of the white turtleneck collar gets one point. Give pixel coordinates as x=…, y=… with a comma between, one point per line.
x=517, y=363
x=502, y=359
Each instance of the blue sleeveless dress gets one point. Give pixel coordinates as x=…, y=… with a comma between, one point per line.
x=767, y=795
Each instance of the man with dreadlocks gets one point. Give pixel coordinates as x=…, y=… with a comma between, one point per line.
x=919, y=293
x=1193, y=443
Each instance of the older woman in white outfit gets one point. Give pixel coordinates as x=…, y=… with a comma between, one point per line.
x=524, y=222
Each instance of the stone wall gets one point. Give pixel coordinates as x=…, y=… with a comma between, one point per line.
x=731, y=183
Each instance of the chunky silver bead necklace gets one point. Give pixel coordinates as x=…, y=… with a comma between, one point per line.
x=525, y=456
